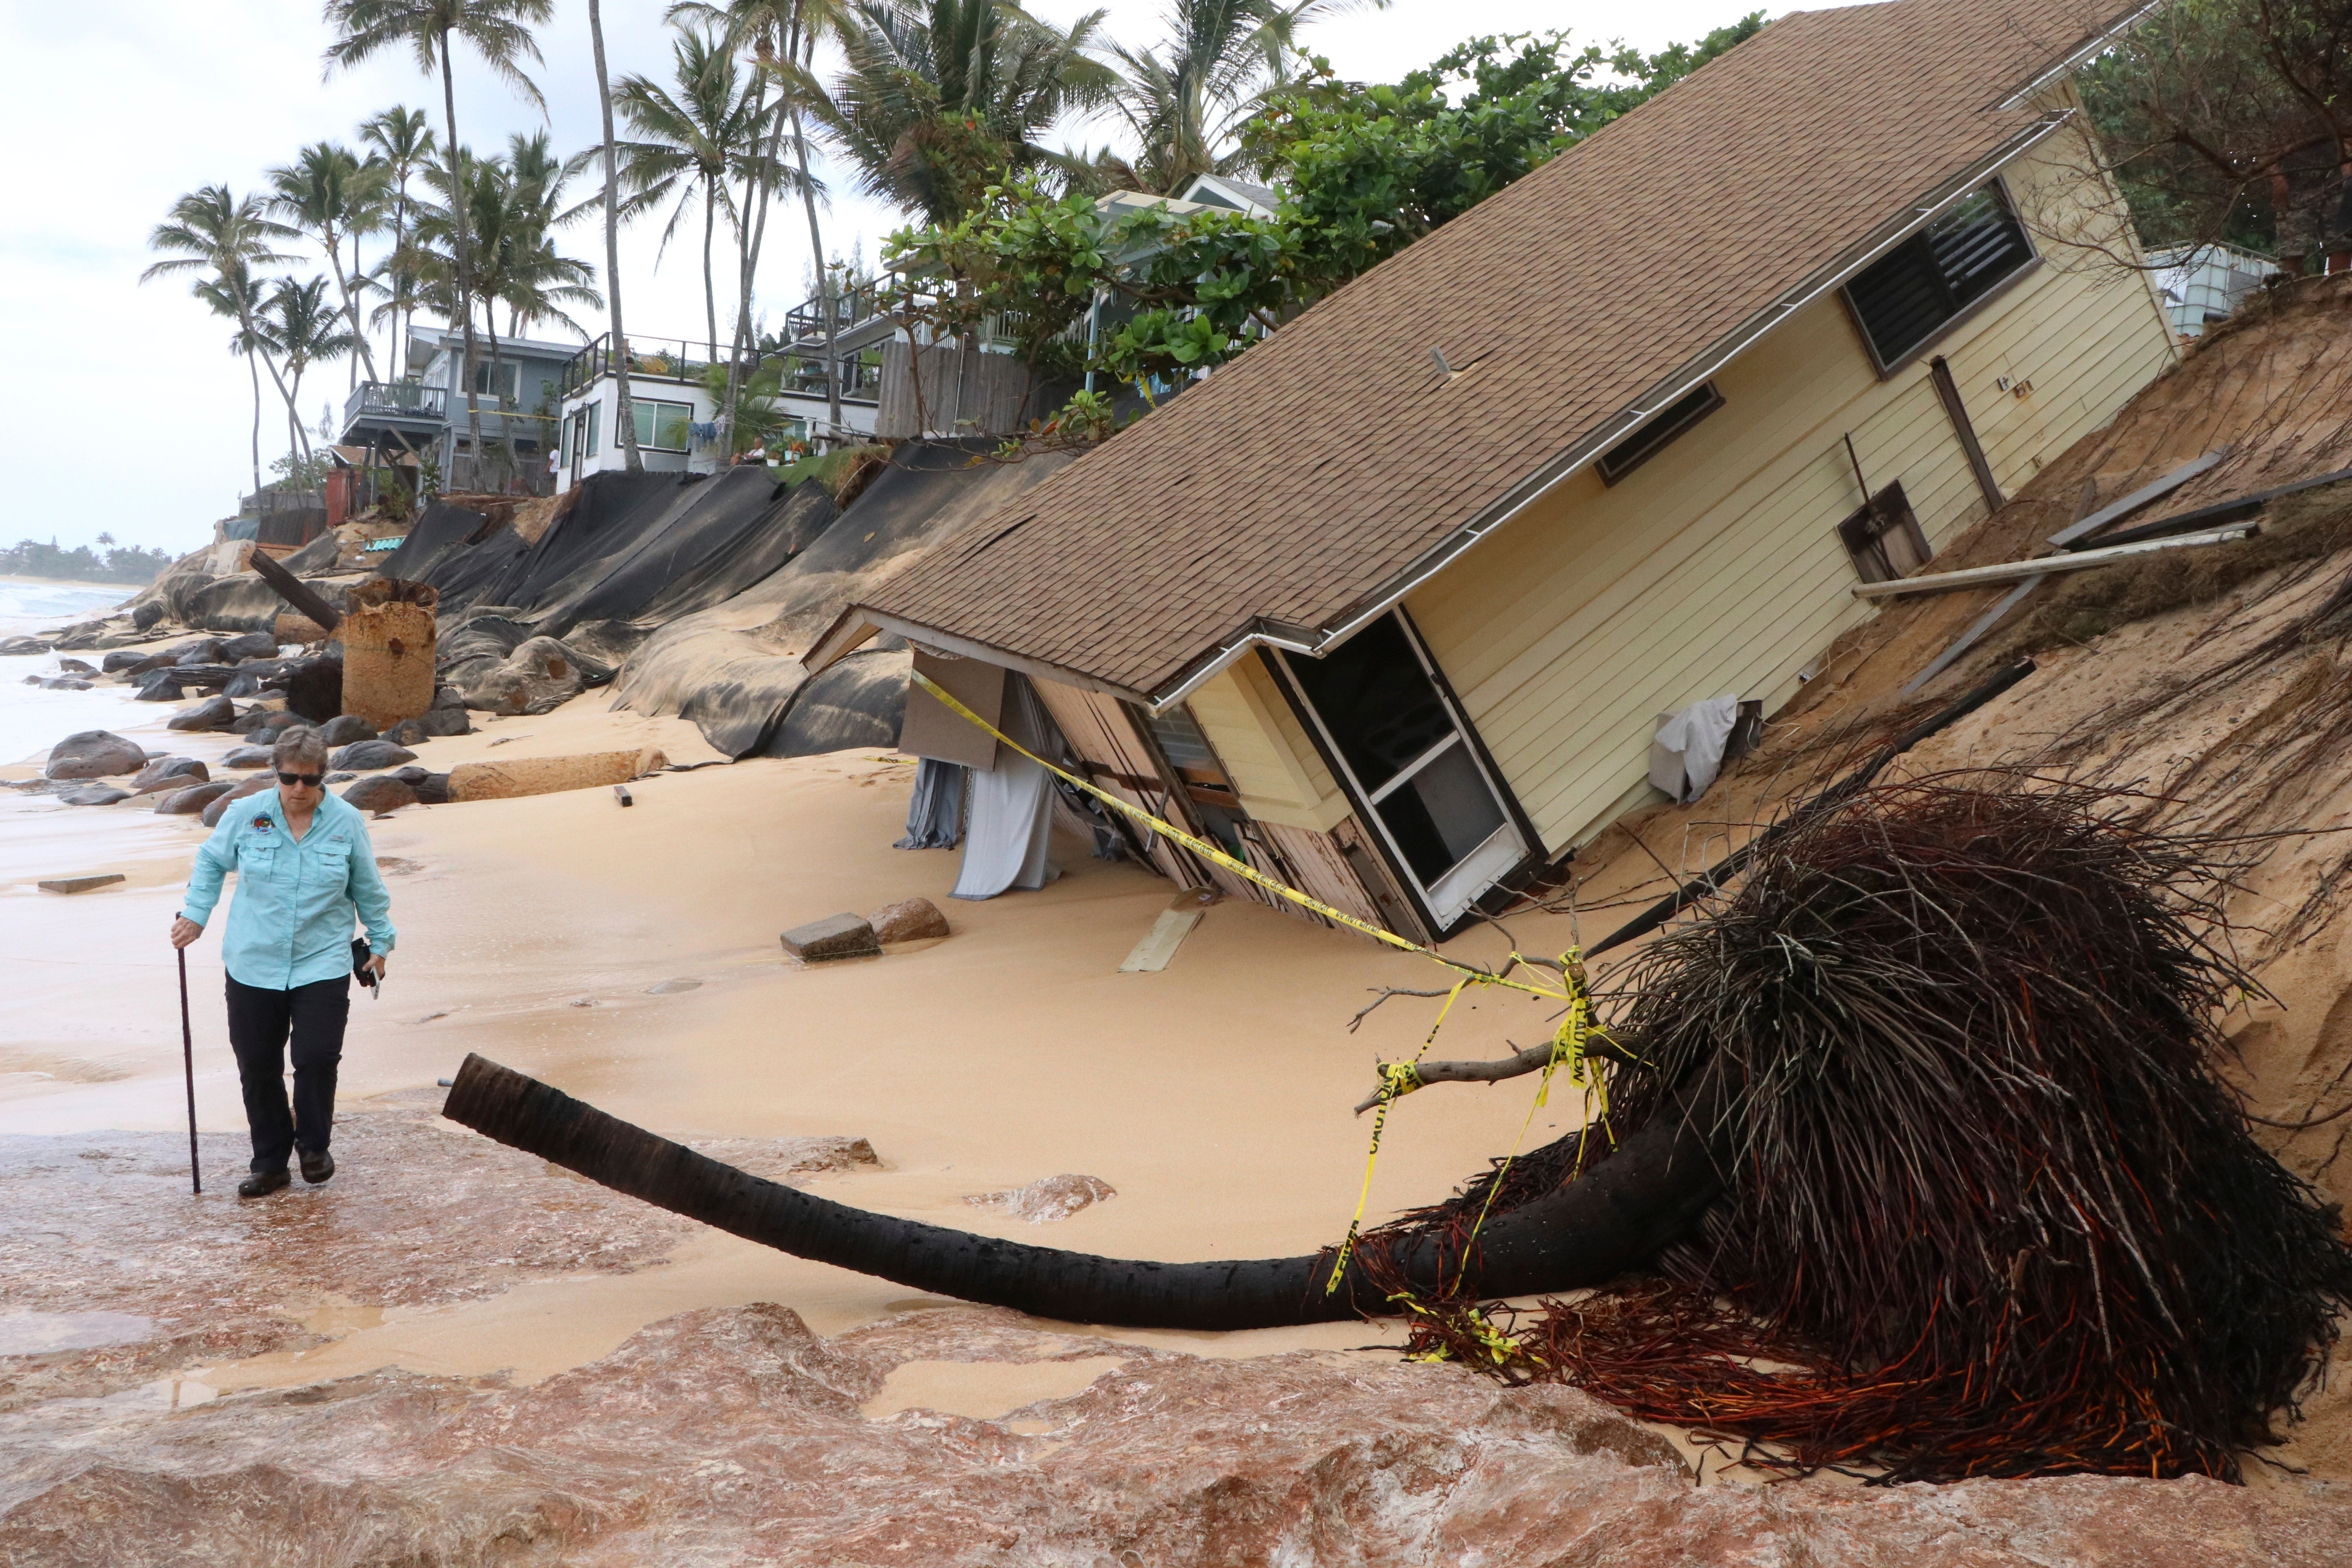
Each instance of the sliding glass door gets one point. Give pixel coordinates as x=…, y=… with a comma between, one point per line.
x=1381, y=711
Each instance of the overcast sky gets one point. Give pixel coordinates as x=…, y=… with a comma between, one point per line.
x=126, y=414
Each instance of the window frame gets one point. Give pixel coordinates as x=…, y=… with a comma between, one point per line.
x=1888, y=368
x=654, y=422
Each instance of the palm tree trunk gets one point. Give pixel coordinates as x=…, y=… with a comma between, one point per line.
x=765, y=178
x=255, y=371
x=709, y=289
x=1643, y=1195
x=353, y=305
x=825, y=281
x=350, y=300
x=625, y=414
x=499, y=391
x=463, y=255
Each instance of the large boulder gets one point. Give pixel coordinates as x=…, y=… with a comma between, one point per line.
x=144, y=617
x=541, y=675
x=157, y=686
x=367, y=756
x=255, y=756
x=17, y=647
x=212, y=713
x=314, y=688
x=252, y=645
x=58, y=682
x=93, y=755
x=345, y=728
x=94, y=794
x=432, y=788
x=165, y=769
x=381, y=792
x=203, y=650
x=189, y=802
x=123, y=660
x=235, y=793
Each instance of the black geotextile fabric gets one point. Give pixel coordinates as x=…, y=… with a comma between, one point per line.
x=713, y=542
x=859, y=701
x=242, y=604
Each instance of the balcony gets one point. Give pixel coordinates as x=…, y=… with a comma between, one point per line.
x=400, y=402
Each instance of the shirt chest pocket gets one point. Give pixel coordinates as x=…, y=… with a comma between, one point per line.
x=331, y=863
x=260, y=861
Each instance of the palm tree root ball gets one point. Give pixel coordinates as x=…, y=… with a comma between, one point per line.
x=1984, y=1195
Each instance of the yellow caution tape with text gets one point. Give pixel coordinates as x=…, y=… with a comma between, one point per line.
x=1397, y=1079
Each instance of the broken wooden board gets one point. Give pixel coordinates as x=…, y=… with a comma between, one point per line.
x=1168, y=932
x=2014, y=570
x=79, y=884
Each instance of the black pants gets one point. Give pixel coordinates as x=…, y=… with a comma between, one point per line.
x=259, y=1024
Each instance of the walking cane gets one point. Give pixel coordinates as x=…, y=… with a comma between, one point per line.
x=188, y=1055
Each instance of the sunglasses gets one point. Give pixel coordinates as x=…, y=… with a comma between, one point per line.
x=308, y=781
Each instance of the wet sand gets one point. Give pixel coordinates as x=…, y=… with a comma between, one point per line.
x=1216, y=1096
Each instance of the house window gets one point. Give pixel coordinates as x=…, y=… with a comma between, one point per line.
x=1884, y=538
x=1909, y=296
x=511, y=380
x=1654, y=438
x=661, y=426
x=591, y=411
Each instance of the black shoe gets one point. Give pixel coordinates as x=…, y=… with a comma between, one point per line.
x=261, y=1184
x=318, y=1167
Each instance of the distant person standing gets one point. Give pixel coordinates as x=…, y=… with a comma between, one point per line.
x=305, y=870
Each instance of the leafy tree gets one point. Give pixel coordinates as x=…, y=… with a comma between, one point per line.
x=1369, y=170
x=937, y=99
x=496, y=30
x=224, y=237
x=2232, y=120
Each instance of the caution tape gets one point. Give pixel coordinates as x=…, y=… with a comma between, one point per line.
x=1569, y=1042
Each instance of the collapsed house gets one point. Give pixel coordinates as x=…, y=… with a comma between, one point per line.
x=1392, y=605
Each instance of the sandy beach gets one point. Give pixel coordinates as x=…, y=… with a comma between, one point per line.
x=630, y=956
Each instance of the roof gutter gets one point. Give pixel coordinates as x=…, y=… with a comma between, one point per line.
x=2092, y=44
x=1528, y=491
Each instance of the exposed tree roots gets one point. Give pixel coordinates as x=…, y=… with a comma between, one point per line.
x=1986, y=1198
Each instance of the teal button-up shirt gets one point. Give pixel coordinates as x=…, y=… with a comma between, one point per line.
x=291, y=922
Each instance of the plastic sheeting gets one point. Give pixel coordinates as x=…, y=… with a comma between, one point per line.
x=1012, y=824
x=935, y=810
x=1686, y=753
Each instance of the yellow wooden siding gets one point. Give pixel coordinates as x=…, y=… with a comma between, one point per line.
x=1718, y=569
x=1274, y=767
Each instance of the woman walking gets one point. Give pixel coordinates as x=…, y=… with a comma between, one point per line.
x=305, y=869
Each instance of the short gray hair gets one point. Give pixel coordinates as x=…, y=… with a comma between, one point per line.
x=300, y=751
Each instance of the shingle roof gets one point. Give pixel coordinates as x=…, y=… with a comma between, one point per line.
x=1300, y=484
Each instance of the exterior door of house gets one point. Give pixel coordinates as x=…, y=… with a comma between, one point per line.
x=1408, y=753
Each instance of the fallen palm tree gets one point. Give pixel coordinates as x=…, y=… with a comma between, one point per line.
x=1925, y=1110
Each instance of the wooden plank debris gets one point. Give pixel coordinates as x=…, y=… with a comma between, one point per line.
x=79, y=884
x=2224, y=511
x=1169, y=931
x=621, y=792
x=2080, y=560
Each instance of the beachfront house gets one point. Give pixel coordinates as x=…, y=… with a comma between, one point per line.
x=2204, y=284
x=424, y=414
x=1393, y=604
x=676, y=410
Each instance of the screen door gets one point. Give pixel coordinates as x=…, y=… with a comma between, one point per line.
x=1377, y=704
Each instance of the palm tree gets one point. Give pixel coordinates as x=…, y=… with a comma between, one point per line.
x=403, y=140
x=625, y=412
x=1185, y=108
x=297, y=320
x=690, y=140
x=498, y=32
x=225, y=236
x=937, y=101
x=328, y=193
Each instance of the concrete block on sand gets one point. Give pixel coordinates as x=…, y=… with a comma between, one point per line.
x=908, y=920
x=93, y=755
x=835, y=936
x=79, y=884
x=548, y=775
